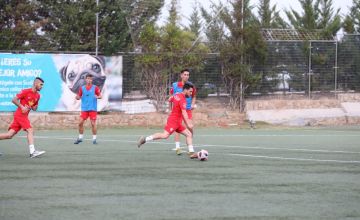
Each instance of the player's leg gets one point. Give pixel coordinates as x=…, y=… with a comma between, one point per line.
x=189, y=139
x=177, y=143
x=14, y=128
x=189, y=112
x=30, y=138
x=8, y=135
x=93, y=116
x=164, y=135
x=94, y=130
x=177, y=135
x=25, y=124
x=83, y=117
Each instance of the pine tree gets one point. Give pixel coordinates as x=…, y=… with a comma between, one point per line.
x=318, y=15
x=269, y=17
x=242, y=49
x=166, y=50
x=195, y=24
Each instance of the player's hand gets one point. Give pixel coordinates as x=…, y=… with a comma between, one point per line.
x=34, y=108
x=24, y=109
x=191, y=130
x=190, y=126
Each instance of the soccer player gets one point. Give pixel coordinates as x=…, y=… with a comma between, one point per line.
x=174, y=121
x=177, y=87
x=26, y=100
x=88, y=94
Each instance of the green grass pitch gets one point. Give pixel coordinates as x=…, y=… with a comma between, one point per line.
x=251, y=174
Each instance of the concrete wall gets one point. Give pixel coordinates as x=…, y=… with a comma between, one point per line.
x=345, y=110
x=213, y=112
x=221, y=118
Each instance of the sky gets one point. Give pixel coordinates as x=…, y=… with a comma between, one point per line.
x=186, y=6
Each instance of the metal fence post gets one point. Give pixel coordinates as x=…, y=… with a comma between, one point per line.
x=336, y=67
x=97, y=29
x=309, y=79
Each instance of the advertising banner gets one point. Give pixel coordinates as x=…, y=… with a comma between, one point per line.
x=63, y=74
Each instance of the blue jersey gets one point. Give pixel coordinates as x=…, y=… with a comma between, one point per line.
x=177, y=87
x=88, y=99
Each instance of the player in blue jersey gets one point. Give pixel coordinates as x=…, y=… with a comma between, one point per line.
x=177, y=87
x=88, y=94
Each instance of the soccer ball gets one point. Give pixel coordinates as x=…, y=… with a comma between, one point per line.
x=203, y=155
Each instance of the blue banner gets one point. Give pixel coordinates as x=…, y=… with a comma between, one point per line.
x=63, y=74
x=18, y=71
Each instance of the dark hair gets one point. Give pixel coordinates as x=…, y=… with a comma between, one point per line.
x=88, y=75
x=188, y=86
x=184, y=70
x=39, y=79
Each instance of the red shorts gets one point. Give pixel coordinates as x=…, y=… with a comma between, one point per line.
x=90, y=114
x=19, y=123
x=172, y=126
x=189, y=112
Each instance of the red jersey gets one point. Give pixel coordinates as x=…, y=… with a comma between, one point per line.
x=97, y=90
x=29, y=99
x=179, y=104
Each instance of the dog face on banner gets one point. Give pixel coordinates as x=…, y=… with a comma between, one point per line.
x=73, y=76
x=75, y=72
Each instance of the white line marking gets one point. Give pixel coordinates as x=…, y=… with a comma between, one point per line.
x=285, y=149
x=246, y=135
x=277, y=135
x=296, y=159
x=208, y=145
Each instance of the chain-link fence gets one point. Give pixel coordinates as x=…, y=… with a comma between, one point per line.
x=293, y=69
x=304, y=69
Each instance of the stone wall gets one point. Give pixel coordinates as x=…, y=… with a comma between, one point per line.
x=210, y=112
x=349, y=97
x=291, y=104
x=303, y=103
x=344, y=110
x=215, y=118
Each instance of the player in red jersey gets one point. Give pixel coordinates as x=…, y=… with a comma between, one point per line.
x=26, y=100
x=190, y=102
x=174, y=121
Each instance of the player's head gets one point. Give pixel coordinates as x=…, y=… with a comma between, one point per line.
x=184, y=75
x=188, y=89
x=88, y=79
x=38, y=83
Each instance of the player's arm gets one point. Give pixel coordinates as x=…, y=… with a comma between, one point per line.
x=193, y=99
x=187, y=121
x=171, y=98
x=16, y=102
x=97, y=93
x=193, y=102
x=35, y=106
x=78, y=96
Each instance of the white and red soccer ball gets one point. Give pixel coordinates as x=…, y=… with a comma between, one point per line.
x=203, y=155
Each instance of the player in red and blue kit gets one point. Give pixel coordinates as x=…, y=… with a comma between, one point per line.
x=174, y=121
x=88, y=94
x=26, y=100
x=177, y=87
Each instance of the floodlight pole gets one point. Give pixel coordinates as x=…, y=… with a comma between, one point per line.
x=310, y=71
x=97, y=28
